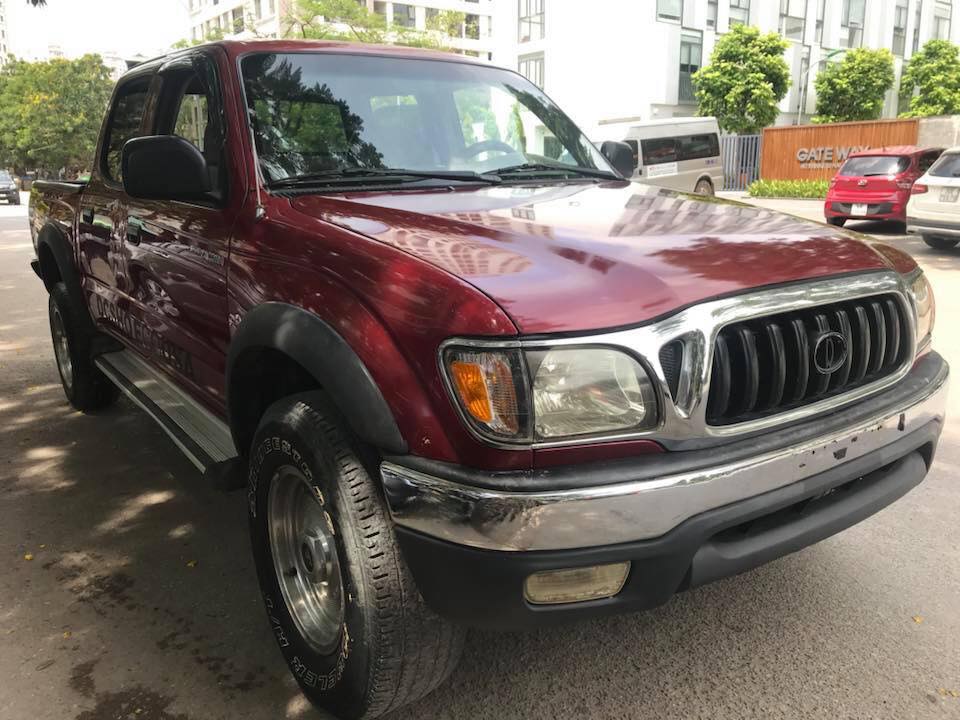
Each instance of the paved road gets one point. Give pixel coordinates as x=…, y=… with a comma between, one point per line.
x=140, y=600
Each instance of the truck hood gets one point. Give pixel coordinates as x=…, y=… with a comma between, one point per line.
x=583, y=257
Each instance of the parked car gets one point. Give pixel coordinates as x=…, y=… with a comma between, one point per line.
x=934, y=207
x=8, y=188
x=676, y=153
x=468, y=374
x=875, y=184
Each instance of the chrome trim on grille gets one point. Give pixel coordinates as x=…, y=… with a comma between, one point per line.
x=684, y=420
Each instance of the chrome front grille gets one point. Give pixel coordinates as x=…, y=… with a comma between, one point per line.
x=767, y=365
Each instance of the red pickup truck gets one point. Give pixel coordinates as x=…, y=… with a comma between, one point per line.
x=466, y=372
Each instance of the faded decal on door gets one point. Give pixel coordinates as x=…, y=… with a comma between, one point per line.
x=150, y=341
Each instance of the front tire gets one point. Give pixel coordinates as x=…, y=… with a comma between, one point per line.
x=940, y=243
x=86, y=388
x=342, y=603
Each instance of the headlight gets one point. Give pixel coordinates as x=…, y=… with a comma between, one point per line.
x=923, y=302
x=550, y=394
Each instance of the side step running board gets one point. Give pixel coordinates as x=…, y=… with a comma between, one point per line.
x=203, y=437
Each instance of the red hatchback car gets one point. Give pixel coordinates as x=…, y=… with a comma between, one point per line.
x=875, y=184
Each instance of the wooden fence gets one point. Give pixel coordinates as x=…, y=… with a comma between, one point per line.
x=812, y=152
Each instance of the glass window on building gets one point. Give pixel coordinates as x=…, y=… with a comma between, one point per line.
x=691, y=56
x=530, y=20
x=792, y=18
x=531, y=67
x=670, y=10
x=739, y=12
x=851, y=23
x=900, y=28
x=821, y=10
x=471, y=27
x=380, y=8
x=941, y=19
x=916, y=27
x=237, y=19
x=712, y=13
x=404, y=15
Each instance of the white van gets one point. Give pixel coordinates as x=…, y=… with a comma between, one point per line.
x=678, y=153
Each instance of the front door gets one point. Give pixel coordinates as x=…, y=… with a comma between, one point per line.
x=178, y=250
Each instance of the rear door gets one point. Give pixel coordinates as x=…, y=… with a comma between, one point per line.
x=868, y=183
x=104, y=261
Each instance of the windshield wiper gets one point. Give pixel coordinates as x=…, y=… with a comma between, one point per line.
x=532, y=168
x=360, y=174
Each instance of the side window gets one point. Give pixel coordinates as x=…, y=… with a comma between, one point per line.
x=125, y=118
x=659, y=150
x=926, y=160
x=697, y=147
x=192, y=118
x=190, y=109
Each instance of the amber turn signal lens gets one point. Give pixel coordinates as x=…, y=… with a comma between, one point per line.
x=472, y=389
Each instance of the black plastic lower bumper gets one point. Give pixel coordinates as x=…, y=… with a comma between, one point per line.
x=485, y=588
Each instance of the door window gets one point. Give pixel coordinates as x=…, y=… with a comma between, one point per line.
x=126, y=116
x=926, y=160
x=659, y=150
x=189, y=108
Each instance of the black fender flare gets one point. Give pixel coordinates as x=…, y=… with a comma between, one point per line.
x=320, y=350
x=51, y=238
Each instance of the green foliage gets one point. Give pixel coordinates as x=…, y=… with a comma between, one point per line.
x=810, y=189
x=745, y=80
x=351, y=21
x=854, y=88
x=50, y=112
x=934, y=73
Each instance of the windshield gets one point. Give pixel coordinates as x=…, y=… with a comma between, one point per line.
x=875, y=165
x=947, y=166
x=320, y=113
x=5, y=176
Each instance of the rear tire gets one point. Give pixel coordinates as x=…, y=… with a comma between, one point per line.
x=837, y=221
x=704, y=187
x=940, y=243
x=356, y=634
x=86, y=388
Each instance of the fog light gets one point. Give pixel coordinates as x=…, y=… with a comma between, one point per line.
x=576, y=584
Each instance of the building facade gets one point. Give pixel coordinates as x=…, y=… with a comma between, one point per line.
x=266, y=18
x=4, y=39
x=633, y=59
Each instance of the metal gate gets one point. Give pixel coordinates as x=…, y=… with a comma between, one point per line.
x=741, y=160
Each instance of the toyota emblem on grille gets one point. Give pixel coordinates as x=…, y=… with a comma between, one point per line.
x=829, y=352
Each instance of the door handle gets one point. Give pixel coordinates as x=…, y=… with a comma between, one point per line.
x=86, y=216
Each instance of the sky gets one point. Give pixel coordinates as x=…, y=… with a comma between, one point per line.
x=127, y=27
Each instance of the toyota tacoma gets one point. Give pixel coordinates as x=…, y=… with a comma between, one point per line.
x=466, y=372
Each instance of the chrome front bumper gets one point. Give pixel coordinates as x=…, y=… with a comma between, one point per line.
x=630, y=511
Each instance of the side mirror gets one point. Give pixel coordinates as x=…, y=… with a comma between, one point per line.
x=620, y=156
x=164, y=167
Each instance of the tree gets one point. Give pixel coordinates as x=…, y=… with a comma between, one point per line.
x=50, y=112
x=932, y=77
x=745, y=79
x=855, y=87
x=352, y=21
